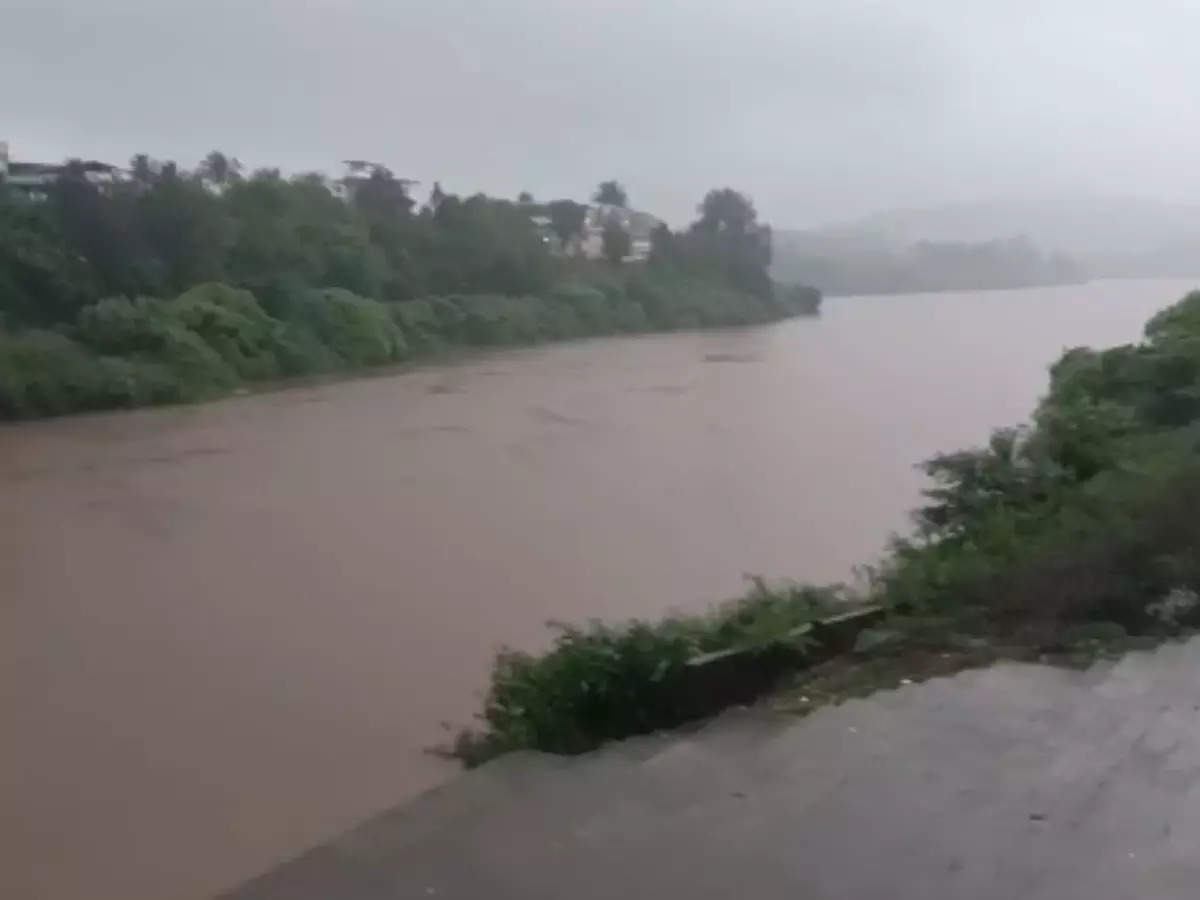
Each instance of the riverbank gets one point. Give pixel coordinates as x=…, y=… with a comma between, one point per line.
x=1072, y=536
x=174, y=286
x=213, y=338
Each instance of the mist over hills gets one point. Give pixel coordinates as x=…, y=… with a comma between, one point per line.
x=1013, y=242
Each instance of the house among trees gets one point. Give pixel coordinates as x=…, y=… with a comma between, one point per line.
x=33, y=178
x=601, y=216
x=606, y=229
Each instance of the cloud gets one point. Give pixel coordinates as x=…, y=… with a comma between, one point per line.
x=820, y=110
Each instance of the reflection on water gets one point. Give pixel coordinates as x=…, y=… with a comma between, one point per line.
x=230, y=630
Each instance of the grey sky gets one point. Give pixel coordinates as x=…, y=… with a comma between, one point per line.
x=820, y=110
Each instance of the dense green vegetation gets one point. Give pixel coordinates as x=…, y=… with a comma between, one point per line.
x=1080, y=527
x=175, y=286
x=1087, y=514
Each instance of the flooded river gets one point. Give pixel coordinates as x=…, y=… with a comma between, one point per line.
x=230, y=630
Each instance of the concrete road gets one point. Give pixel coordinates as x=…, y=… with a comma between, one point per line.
x=1012, y=782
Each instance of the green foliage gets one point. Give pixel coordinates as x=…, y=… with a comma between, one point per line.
x=44, y=373
x=357, y=330
x=1089, y=514
x=601, y=682
x=231, y=322
x=586, y=303
x=767, y=614
x=593, y=685
x=567, y=219
x=285, y=276
x=146, y=330
x=617, y=242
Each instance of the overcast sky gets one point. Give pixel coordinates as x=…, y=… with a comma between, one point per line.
x=819, y=110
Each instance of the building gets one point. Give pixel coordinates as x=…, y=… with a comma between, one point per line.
x=34, y=178
x=590, y=242
x=639, y=225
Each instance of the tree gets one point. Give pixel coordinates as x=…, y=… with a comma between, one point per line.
x=727, y=238
x=663, y=247
x=187, y=230
x=436, y=196
x=98, y=229
x=42, y=279
x=617, y=242
x=141, y=169
x=566, y=218
x=724, y=209
x=611, y=193
x=219, y=170
x=525, y=198
x=382, y=195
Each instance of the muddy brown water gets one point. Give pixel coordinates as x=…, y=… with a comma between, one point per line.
x=230, y=630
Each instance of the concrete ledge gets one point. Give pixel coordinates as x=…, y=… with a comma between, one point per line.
x=714, y=681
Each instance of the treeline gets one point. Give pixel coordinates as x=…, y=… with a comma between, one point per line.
x=855, y=263
x=175, y=285
x=1074, y=535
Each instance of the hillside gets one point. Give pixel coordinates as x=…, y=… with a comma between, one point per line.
x=1066, y=236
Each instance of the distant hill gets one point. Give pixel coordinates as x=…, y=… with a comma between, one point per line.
x=848, y=262
x=1064, y=237
x=1084, y=225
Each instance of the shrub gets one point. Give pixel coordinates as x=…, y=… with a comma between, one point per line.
x=495, y=320
x=588, y=304
x=43, y=373
x=146, y=331
x=629, y=316
x=299, y=352
x=1086, y=516
x=358, y=331
x=601, y=682
x=234, y=325
x=419, y=324
x=594, y=684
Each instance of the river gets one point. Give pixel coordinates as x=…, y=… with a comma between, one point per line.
x=230, y=630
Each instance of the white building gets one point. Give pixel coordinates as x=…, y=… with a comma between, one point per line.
x=639, y=225
x=34, y=178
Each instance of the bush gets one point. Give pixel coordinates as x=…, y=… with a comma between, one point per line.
x=43, y=373
x=146, y=330
x=1088, y=515
x=420, y=325
x=676, y=303
x=234, y=325
x=495, y=320
x=358, y=331
x=602, y=682
x=588, y=304
x=299, y=352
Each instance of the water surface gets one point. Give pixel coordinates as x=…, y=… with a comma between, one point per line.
x=229, y=630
